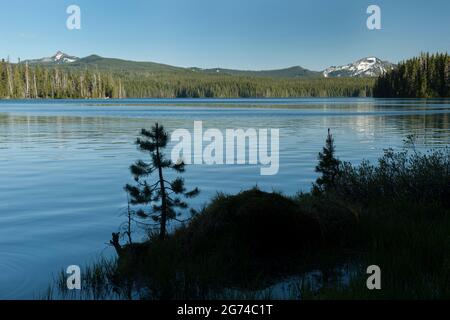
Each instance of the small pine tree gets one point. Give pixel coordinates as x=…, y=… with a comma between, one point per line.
x=163, y=196
x=328, y=165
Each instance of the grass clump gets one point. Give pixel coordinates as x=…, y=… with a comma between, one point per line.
x=244, y=240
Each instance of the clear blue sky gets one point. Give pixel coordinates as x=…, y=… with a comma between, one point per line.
x=244, y=34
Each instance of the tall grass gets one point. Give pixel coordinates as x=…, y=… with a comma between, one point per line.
x=97, y=280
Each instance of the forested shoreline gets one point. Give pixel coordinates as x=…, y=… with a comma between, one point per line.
x=426, y=76
x=21, y=81
x=212, y=86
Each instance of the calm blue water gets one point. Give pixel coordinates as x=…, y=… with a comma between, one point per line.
x=63, y=164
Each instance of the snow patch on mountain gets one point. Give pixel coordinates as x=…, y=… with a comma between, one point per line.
x=366, y=67
x=61, y=57
x=58, y=58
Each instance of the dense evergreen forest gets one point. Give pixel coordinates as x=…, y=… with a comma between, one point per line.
x=226, y=86
x=427, y=76
x=19, y=81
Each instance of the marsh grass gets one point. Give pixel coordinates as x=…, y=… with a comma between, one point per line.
x=97, y=283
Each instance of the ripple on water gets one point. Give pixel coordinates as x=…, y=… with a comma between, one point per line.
x=16, y=276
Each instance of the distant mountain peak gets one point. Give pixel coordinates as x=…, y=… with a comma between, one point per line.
x=365, y=67
x=61, y=57
x=58, y=58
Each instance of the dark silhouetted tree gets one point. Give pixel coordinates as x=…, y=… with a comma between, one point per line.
x=159, y=199
x=328, y=166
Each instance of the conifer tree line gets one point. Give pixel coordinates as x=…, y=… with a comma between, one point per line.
x=21, y=81
x=178, y=85
x=426, y=76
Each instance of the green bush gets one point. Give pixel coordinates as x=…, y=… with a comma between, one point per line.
x=408, y=175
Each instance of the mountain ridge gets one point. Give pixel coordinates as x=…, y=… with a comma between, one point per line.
x=365, y=67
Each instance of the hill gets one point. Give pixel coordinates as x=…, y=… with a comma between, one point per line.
x=366, y=67
x=292, y=72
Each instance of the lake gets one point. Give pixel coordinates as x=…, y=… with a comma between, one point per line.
x=63, y=164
